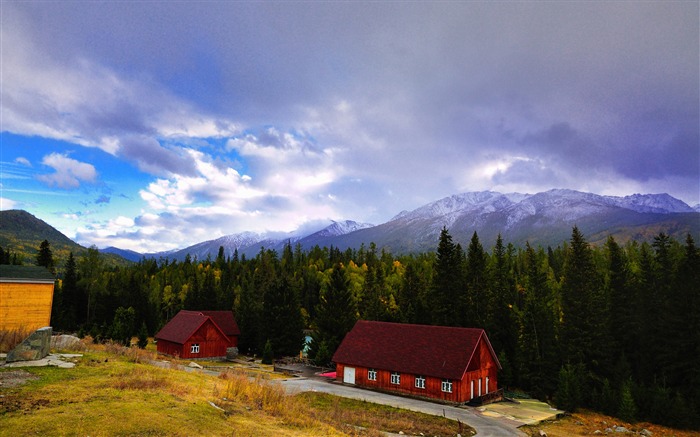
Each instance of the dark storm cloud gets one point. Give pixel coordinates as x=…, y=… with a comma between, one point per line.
x=153, y=158
x=403, y=103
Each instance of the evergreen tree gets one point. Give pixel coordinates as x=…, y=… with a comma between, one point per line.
x=578, y=290
x=447, y=292
x=538, y=337
x=622, y=322
x=268, y=355
x=70, y=295
x=143, y=336
x=283, y=322
x=123, y=326
x=44, y=257
x=411, y=298
x=503, y=326
x=478, y=303
x=336, y=314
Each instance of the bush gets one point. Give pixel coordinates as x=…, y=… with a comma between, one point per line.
x=569, y=392
x=628, y=408
x=267, y=355
x=143, y=336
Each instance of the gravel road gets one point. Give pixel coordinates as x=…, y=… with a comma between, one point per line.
x=485, y=426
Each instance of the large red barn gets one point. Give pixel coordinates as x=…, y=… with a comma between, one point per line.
x=447, y=363
x=198, y=334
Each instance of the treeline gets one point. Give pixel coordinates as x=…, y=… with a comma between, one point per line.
x=613, y=328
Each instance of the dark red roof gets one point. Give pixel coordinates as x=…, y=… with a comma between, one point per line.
x=185, y=323
x=438, y=351
x=225, y=321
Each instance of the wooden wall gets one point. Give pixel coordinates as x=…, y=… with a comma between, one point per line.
x=212, y=343
x=25, y=306
x=481, y=367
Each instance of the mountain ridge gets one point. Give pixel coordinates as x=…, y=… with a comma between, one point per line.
x=544, y=218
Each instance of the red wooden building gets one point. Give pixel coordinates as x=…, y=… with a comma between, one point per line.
x=198, y=334
x=452, y=364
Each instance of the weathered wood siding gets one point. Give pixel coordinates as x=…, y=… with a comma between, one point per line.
x=212, y=343
x=25, y=305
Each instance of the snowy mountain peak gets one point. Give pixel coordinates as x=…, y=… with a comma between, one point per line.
x=341, y=228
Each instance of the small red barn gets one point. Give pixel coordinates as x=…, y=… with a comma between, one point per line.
x=198, y=334
x=452, y=364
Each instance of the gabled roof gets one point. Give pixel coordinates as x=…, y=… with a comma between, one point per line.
x=185, y=323
x=225, y=321
x=11, y=273
x=438, y=351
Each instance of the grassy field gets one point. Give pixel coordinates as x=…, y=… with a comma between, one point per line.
x=116, y=391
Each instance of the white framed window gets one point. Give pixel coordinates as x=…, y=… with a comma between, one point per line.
x=371, y=375
x=195, y=348
x=420, y=381
x=395, y=378
x=447, y=386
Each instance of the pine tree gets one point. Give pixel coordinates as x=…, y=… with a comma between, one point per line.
x=336, y=314
x=447, y=292
x=503, y=326
x=578, y=291
x=44, y=257
x=478, y=309
x=538, y=338
x=283, y=323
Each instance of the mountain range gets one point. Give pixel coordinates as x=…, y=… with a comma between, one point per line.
x=544, y=219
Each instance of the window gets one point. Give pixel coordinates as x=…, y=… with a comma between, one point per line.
x=395, y=378
x=447, y=386
x=195, y=348
x=371, y=375
x=420, y=381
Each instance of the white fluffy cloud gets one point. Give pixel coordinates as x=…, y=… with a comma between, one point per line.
x=69, y=173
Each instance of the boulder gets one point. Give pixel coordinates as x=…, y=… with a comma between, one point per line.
x=34, y=347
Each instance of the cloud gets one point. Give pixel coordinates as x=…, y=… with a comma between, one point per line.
x=75, y=98
x=69, y=173
x=7, y=204
x=334, y=111
x=23, y=161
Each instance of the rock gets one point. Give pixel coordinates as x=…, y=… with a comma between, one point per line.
x=65, y=342
x=608, y=430
x=401, y=433
x=542, y=433
x=621, y=429
x=34, y=347
x=194, y=365
x=646, y=432
x=597, y=432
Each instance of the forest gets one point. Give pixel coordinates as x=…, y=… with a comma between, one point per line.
x=614, y=328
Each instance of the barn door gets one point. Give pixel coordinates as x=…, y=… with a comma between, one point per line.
x=349, y=375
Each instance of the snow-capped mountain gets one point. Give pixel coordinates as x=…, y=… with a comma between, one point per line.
x=340, y=228
x=542, y=219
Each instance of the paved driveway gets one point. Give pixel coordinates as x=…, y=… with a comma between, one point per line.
x=485, y=426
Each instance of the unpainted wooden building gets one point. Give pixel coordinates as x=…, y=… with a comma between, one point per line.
x=26, y=296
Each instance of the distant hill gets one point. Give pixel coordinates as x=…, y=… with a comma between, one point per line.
x=22, y=234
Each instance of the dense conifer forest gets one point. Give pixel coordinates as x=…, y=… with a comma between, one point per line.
x=614, y=328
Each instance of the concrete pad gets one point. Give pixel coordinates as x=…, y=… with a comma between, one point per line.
x=525, y=411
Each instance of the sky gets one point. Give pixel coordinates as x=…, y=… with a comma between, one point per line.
x=155, y=125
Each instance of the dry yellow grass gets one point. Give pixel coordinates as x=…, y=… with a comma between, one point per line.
x=586, y=423
x=115, y=391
